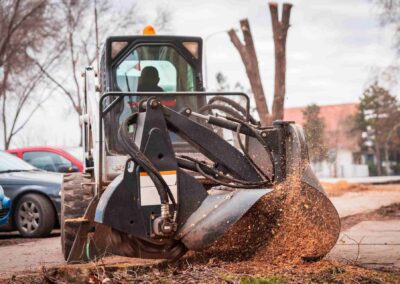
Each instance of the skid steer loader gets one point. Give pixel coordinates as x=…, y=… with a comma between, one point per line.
x=170, y=168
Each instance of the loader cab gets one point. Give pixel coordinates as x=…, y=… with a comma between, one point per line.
x=176, y=59
x=156, y=65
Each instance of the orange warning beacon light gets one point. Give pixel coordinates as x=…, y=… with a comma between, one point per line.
x=149, y=30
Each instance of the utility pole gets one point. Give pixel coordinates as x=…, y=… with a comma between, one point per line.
x=97, y=36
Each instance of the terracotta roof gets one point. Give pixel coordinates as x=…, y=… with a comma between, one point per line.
x=337, y=125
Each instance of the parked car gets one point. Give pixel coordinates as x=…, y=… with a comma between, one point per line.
x=34, y=194
x=5, y=205
x=50, y=159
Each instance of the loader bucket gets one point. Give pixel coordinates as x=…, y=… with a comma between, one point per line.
x=216, y=214
x=293, y=220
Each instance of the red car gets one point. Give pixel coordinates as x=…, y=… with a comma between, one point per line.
x=50, y=159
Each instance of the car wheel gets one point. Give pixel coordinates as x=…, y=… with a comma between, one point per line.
x=34, y=216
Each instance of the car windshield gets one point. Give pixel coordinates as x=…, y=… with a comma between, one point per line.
x=10, y=163
x=77, y=152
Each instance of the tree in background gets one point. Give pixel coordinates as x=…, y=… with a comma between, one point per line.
x=85, y=21
x=389, y=14
x=222, y=82
x=280, y=30
x=29, y=31
x=377, y=115
x=24, y=26
x=248, y=54
x=83, y=40
x=249, y=57
x=87, y=24
x=314, y=129
x=223, y=85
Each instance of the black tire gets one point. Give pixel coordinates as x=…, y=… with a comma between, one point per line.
x=34, y=216
x=76, y=195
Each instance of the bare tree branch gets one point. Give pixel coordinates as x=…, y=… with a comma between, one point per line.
x=52, y=79
x=163, y=19
x=25, y=94
x=81, y=39
x=237, y=43
x=5, y=41
x=28, y=118
x=249, y=57
x=27, y=26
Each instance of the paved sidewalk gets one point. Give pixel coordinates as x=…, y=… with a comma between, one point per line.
x=364, y=180
x=371, y=243
x=364, y=201
x=30, y=255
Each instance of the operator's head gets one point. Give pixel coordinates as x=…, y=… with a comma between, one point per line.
x=149, y=76
x=148, y=80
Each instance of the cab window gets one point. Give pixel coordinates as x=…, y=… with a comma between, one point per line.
x=149, y=68
x=154, y=69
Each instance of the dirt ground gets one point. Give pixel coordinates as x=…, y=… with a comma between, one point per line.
x=368, y=251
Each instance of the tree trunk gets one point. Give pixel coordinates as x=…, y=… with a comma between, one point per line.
x=249, y=57
x=280, y=29
x=387, y=163
x=378, y=158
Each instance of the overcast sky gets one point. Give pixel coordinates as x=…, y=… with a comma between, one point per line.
x=332, y=47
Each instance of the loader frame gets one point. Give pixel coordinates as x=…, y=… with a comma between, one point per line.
x=273, y=135
x=212, y=214
x=118, y=96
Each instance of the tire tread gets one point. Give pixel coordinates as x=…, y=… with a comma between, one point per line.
x=76, y=195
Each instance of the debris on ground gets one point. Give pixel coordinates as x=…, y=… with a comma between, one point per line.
x=388, y=212
x=342, y=186
x=209, y=267
x=293, y=223
x=197, y=270
x=391, y=211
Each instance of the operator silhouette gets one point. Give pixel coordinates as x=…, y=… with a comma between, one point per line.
x=149, y=79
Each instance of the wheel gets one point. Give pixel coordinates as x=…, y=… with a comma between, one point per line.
x=34, y=216
x=76, y=195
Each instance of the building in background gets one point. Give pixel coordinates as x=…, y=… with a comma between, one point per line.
x=344, y=154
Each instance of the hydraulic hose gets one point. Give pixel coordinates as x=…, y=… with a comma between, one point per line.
x=140, y=159
x=226, y=109
x=260, y=140
x=216, y=176
x=234, y=105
